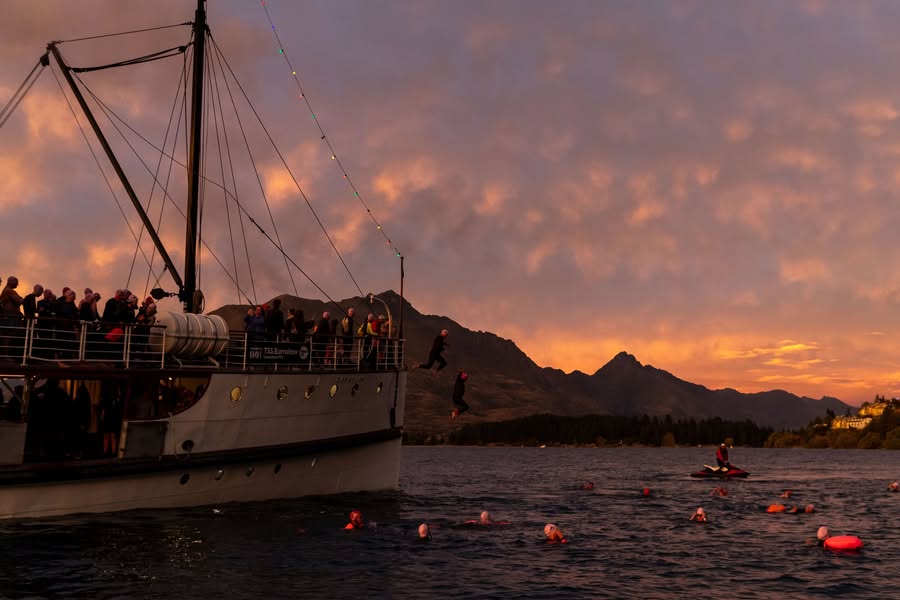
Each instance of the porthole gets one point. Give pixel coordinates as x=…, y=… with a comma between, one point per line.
x=219, y=474
x=249, y=471
x=236, y=393
x=282, y=392
x=354, y=389
x=333, y=391
x=309, y=391
x=314, y=462
x=379, y=387
x=277, y=468
x=187, y=445
x=185, y=478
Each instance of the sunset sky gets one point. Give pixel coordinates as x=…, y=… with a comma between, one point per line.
x=711, y=186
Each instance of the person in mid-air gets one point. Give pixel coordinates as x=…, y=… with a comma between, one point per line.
x=459, y=390
x=434, y=355
x=722, y=457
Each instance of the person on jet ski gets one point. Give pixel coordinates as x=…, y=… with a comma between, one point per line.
x=722, y=456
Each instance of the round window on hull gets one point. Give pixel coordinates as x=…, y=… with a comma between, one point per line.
x=236, y=393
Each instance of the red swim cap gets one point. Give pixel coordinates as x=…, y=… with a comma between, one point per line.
x=646, y=491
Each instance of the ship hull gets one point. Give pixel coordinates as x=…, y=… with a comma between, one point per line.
x=315, y=470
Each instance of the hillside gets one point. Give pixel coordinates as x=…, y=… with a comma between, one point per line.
x=504, y=383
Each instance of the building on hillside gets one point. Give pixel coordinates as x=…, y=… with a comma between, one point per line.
x=850, y=422
x=872, y=410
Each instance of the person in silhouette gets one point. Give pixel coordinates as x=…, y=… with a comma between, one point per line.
x=459, y=390
x=722, y=457
x=434, y=355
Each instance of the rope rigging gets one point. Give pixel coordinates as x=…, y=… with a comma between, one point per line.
x=324, y=137
x=219, y=74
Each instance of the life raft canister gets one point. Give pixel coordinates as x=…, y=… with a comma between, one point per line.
x=844, y=542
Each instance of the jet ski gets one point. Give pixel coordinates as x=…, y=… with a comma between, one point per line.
x=729, y=472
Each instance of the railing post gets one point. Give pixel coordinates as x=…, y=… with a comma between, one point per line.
x=82, y=341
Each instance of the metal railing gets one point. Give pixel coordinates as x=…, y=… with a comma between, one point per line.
x=118, y=345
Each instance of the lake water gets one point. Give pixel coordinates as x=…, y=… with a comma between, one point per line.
x=621, y=544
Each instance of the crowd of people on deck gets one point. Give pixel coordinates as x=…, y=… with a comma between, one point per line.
x=331, y=341
x=60, y=318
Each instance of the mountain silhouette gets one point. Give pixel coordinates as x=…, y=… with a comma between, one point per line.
x=504, y=383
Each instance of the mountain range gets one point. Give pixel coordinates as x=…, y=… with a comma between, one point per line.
x=504, y=383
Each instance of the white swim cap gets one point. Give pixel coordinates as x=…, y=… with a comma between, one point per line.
x=700, y=511
x=822, y=533
x=424, y=531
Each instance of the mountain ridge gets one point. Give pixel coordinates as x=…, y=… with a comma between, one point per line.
x=505, y=383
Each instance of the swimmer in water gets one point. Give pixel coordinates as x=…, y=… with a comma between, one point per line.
x=356, y=520
x=894, y=487
x=699, y=516
x=554, y=535
x=806, y=509
x=719, y=491
x=645, y=492
x=424, y=532
x=485, y=519
x=587, y=485
x=786, y=494
x=821, y=536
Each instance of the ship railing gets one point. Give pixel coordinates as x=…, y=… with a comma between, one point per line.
x=329, y=353
x=64, y=341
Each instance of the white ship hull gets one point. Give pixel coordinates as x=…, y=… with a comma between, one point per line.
x=370, y=467
x=250, y=437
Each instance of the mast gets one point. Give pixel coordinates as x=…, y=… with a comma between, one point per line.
x=193, y=203
x=66, y=71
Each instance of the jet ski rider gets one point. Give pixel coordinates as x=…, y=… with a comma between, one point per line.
x=722, y=456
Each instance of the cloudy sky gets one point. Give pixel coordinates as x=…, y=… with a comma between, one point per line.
x=710, y=186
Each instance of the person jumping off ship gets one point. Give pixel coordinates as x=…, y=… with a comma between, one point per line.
x=434, y=355
x=459, y=389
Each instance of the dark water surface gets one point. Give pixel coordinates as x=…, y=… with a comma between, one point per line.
x=622, y=545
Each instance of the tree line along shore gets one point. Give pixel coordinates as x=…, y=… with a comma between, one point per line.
x=607, y=431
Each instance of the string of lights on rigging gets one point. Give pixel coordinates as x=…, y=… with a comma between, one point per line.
x=324, y=137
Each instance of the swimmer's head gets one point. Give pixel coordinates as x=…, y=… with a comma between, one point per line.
x=645, y=491
x=550, y=529
x=701, y=512
x=822, y=533
x=809, y=508
x=424, y=532
x=485, y=517
x=894, y=486
x=356, y=517
x=786, y=494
